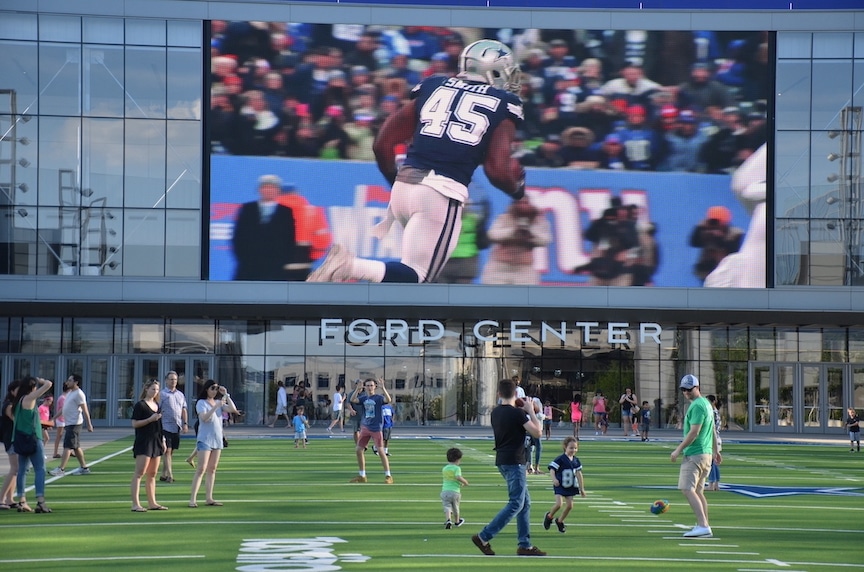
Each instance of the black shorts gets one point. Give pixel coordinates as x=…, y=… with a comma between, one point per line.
x=72, y=437
x=172, y=440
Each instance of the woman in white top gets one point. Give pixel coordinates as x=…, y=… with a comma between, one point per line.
x=212, y=401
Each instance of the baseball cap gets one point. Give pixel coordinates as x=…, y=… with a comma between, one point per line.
x=359, y=70
x=636, y=109
x=719, y=213
x=270, y=180
x=689, y=381
x=612, y=138
x=669, y=111
x=687, y=116
x=440, y=57
x=558, y=44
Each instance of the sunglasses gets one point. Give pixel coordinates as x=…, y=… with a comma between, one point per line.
x=213, y=387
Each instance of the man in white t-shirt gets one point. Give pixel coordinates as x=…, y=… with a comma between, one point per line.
x=281, y=404
x=75, y=413
x=337, y=404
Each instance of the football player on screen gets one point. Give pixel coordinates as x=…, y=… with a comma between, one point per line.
x=454, y=124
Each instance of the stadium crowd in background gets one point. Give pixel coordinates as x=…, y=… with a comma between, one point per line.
x=625, y=100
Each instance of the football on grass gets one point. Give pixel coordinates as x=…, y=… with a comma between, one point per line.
x=660, y=506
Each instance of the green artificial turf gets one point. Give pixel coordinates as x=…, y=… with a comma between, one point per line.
x=290, y=509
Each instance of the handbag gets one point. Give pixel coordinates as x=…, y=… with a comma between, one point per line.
x=24, y=443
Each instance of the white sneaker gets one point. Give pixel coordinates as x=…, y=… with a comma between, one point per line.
x=58, y=472
x=699, y=532
x=335, y=268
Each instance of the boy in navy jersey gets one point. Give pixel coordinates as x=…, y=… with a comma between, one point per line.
x=566, y=473
x=454, y=124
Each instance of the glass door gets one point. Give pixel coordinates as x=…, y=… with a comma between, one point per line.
x=95, y=374
x=131, y=373
x=774, y=405
x=192, y=372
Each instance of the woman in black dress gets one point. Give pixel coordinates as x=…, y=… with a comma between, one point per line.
x=149, y=446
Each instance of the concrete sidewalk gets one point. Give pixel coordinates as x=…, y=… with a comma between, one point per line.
x=102, y=435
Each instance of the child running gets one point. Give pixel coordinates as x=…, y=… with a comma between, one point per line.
x=566, y=473
x=451, y=489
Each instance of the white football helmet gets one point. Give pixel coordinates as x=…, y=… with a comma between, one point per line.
x=490, y=61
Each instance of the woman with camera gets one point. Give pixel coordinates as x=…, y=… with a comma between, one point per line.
x=213, y=399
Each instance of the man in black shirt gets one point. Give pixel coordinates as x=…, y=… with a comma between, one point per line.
x=510, y=425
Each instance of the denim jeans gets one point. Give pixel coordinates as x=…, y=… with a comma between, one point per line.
x=38, y=461
x=537, y=444
x=519, y=506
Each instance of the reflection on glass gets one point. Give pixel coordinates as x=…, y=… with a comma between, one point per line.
x=812, y=401
x=59, y=79
x=183, y=166
x=103, y=81
x=834, y=396
x=762, y=395
x=145, y=82
x=785, y=396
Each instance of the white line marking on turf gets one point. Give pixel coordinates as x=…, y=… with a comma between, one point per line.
x=726, y=552
x=711, y=545
x=101, y=559
x=775, y=562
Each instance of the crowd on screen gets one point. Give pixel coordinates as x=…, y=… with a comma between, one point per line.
x=626, y=100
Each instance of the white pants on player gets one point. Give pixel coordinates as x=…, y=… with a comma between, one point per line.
x=432, y=224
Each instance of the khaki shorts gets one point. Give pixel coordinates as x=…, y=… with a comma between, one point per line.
x=694, y=471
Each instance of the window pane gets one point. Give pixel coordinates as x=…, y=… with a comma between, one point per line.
x=50, y=246
x=41, y=336
x=184, y=83
x=144, y=242
x=858, y=79
x=190, y=337
x=102, y=172
x=184, y=33
x=59, y=176
x=103, y=30
x=18, y=169
x=827, y=254
x=18, y=67
x=59, y=28
x=826, y=197
x=832, y=91
x=140, y=336
x=793, y=95
x=183, y=235
x=145, y=32
x=145, y=82
x=793, y=44
x=92, y=336
x=791, y=247
x=792, y=173
x=59, y=79
x=184, y=164
x=18, y=27
x=103, y=81
x=144, y=149
x=832, y=45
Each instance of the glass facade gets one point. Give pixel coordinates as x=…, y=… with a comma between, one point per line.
x=100, y=159
x=818, y=209
x=445, y=372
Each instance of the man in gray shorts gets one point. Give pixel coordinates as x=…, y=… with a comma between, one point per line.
x=75, y=412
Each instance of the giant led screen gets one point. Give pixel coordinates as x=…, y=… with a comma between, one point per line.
x=354, y=153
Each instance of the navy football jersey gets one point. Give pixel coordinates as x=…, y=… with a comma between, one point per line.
x=455, y=122
x=566, y=470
